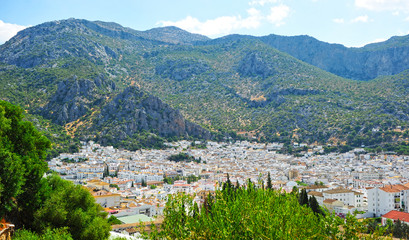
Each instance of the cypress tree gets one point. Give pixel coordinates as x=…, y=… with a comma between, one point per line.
x=269, y=184
x=315, y=207
x=303, y=198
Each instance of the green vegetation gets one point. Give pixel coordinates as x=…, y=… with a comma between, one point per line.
x=22, y=153
x=69, y=160
x=201, y=145
x=237, y=87
x=189, y=179
x=183, y=157
x=55, y=234
x=253, y=213
x=48, y=208
x=113, y=220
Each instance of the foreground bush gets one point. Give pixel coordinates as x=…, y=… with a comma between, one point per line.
x=253, y=213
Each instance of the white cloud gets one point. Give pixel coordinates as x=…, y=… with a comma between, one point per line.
x=383, y=5
x=278, y=14
x=261, y=2
x=218, y=26
x=8, y=30
x=363, y=19
x=338, y=20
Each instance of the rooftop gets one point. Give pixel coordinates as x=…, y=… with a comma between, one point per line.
x=395, y=215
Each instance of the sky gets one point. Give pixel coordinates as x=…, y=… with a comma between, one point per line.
x=352, y=23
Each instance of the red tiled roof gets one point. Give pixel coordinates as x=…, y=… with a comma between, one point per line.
x=394, y=188
x=395, y=215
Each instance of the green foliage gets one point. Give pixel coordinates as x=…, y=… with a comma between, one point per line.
x=303, y=197
x=315, y=207
x=349, y=228
x=73, y=207
x=182, y=157
x=113, y=220
x=143, y=183
x=229, y=85
x=201, y=145
x=253, y=213
x=138, y=141
x=22, y=165
x=55, y=234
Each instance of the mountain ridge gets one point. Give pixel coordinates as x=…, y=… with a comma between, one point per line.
x=226, y=85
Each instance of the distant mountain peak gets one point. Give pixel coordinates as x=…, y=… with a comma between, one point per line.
x=175, y=35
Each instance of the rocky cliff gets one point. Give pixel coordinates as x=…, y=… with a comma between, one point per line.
x=133, y=111
x=75, y=97
x=355, y=63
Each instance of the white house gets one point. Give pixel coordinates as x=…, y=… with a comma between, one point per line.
x=385, y=199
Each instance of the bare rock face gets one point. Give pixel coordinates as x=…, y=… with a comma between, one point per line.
x=133, y=111
x=365, y=63
x=74, y=98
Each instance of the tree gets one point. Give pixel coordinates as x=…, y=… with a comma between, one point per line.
x=22, y=153
x=227, y=185
x=315, y=207
x=143, y=183
x=106, y=171
x=55, y=234
x=269, y=184
x=303, y=197
x=114, y=220
x=73, y=207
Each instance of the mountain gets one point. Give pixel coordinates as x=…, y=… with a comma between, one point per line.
x=365, y=63
x=133, y=88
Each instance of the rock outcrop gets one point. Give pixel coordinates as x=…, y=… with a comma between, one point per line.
x=364, y=63
x=133, y=111
x=74, y=98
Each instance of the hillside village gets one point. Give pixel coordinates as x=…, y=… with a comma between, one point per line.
x=133, y=186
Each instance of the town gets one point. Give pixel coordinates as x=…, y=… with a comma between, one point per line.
x=133, y=186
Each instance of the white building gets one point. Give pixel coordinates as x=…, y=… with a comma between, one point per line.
x=385, y=199
x=346, y=196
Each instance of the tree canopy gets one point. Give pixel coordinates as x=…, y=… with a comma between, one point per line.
x=50, y=207
x=73, y=207
x=252, y=213
x=22, y=153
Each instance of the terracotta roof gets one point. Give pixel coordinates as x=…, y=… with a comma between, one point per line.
x=394, y=188
x=329, y=201
x=338, y=190
x=314, y=193
x=395, y=215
